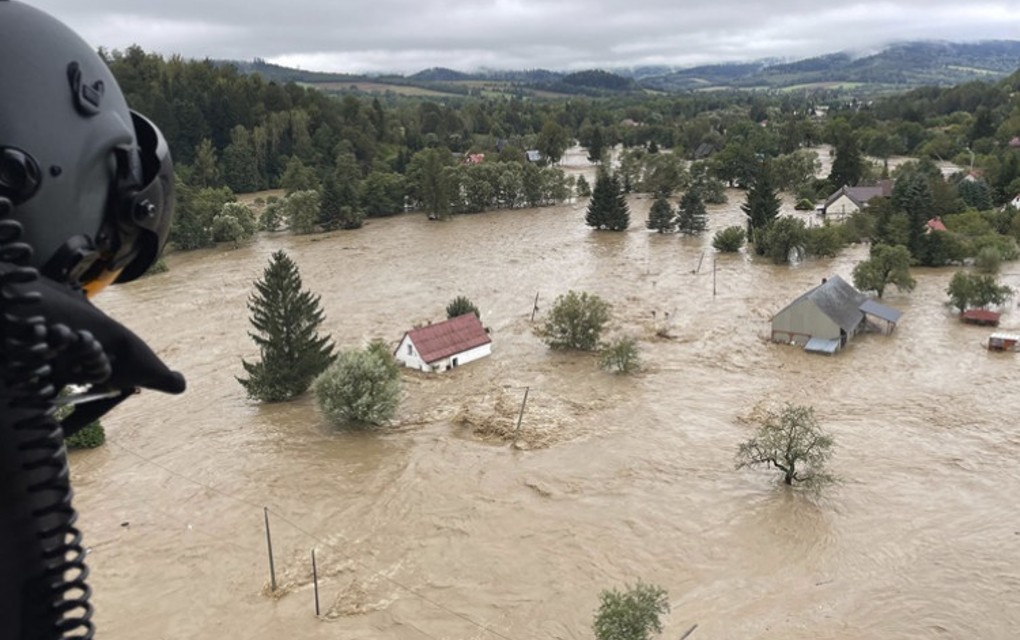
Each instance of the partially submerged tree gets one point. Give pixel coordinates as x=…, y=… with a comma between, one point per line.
x=621, y=356
x=461, y=305
x=762, y=205
x=791, y=440
x=576, y=321
x=631, y=614
x=660, y=215
x=691, y=215
x=286, y=320
x=607, y=209
x=887, y=265
x=728, y=240
x=781, y=238
x=968, y=290
x=360, y=387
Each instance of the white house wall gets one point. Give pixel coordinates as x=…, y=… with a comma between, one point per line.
x=843, y=206
x=463, y=357
x=410, y=356
x=412, y=359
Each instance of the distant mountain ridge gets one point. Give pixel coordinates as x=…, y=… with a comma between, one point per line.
x=896, y=67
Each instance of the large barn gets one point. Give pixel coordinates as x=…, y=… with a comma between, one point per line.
x=825, y=318
x=444, y=345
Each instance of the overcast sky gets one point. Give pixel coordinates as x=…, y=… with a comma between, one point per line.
x=405, y=36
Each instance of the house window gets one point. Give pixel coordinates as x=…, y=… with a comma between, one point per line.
x=410, y=349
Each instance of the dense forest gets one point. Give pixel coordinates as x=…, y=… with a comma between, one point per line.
x=355, y=156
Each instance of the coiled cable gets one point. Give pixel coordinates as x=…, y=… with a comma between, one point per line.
x=55, y=596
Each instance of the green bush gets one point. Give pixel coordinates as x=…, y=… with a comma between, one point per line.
x=621, y=356
x=825, y=241
x=804, y=205
x=360, y=388
x=1005, y=245
x=988, y=260
x=88, y=437
x=159, y=266
x=576, y=321
x=729, y=240
x=632, y=614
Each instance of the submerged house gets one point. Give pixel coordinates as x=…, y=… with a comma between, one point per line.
x=444, y=345
x=824, y=319
x=849, y=200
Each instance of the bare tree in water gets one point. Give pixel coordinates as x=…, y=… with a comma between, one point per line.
x=790, y=440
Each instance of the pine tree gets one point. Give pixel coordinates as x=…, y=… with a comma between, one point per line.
x=285, y=319
x=848, y=166
x=762, y=206
x=915, y=198
x=660, y=216
x=691, y=218
x=329, y=202
x=608, y=208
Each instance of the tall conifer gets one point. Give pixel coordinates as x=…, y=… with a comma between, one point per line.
x=691, y=218
x=285, y=320
x=608, y=208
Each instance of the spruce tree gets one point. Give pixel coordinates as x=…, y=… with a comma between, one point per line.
x=660, y=216
x=691, y=217
x=848, y=165
x=285, y=319
x=762, y=206
x=608, y=208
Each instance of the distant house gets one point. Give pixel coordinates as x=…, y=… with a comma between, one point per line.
x=849, y=200
x=1014, y=143
x=474, y=158
x=1015, y=202
x=704, y=150
x=935, y=224
x=533, y=155
x=444, y=345
x=824, y=319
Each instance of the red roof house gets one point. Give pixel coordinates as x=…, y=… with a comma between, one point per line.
x=936, y=224
x=444, y=345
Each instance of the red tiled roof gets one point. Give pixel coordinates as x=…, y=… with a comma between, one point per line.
x=936, y=224
x=981, y=315
x=444, y=339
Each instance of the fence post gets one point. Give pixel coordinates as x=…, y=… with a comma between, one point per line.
x=534, y=307
x=269, y=544
x=315, y=581
x=520, y=416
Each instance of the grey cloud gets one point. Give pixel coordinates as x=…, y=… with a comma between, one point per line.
x=402, y=35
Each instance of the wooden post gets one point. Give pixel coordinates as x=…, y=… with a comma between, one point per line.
x=315, y=581
x=700, y=260
x=269, y=544
x=520, y=416
x=714, y=269
x=534, y=307
x=689, y=632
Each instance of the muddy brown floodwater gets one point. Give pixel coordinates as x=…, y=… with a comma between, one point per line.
x=426, y=529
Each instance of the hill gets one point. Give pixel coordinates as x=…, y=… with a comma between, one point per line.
x=898, y=67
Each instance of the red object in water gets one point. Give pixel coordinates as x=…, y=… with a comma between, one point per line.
x=980, y=316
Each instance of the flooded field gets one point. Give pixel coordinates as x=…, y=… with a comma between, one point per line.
x=427, y=530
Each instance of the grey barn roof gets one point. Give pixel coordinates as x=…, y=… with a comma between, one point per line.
x=838, y=300
x=879, y=310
